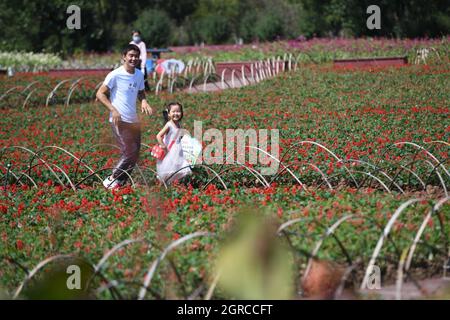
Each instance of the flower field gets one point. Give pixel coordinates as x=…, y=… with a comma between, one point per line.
x=316, y=50
x=363, y=179
x=27, y=61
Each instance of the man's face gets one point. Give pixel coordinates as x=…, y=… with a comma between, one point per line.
x=132, y=58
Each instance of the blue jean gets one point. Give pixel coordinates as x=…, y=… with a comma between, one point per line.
x=128, y=137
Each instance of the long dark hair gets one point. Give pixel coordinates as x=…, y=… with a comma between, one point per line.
x=169, y=107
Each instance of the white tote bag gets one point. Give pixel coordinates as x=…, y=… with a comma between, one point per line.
x=192, y=149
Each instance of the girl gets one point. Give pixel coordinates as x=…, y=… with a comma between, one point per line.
x=174, y=166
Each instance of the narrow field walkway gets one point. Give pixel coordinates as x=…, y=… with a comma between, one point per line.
x=218, y=86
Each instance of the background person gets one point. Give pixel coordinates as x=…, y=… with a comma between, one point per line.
x=137, y=40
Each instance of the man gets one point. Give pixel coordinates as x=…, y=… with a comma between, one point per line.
x=137, y=40
x=124, y=85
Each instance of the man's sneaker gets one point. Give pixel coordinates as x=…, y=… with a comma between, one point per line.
x=110, y=183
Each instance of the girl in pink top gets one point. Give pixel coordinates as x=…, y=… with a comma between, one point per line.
x=174, y=166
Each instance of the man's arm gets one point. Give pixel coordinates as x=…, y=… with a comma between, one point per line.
x=102, y=96
x=145, y=107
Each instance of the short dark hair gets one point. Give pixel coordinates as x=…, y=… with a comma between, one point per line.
x=130, y=47
x=135, y=31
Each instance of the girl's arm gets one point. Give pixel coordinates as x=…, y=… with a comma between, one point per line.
x=161, y=134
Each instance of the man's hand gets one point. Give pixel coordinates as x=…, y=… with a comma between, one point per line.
x=116, y=117
x=103, y=96
x=145, y=108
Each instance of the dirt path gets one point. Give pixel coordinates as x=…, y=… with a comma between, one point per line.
x=218, y=86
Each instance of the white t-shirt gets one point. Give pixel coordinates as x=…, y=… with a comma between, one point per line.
x=124, y=87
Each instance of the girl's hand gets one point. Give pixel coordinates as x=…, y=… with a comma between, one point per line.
x=163, y=146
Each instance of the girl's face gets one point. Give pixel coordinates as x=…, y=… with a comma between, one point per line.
x=175, y=113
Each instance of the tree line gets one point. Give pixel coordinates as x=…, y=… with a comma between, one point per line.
x=33, y=25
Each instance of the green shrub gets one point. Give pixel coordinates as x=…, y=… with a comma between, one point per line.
x=246, y=27
x=155, y=26
x=269, y=26
x=213, y=29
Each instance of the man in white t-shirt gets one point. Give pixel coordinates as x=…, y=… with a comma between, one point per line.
x=124, y=86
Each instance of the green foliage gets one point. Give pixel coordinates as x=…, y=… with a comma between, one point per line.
x=105, y=25
x=176, y=9
x=155, y=26
x=246, y=27
x=213, y=29
x=269, y=27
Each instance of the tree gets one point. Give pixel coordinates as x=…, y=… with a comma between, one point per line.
x=176, y=9
x=35, y=25
x=155, y=27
